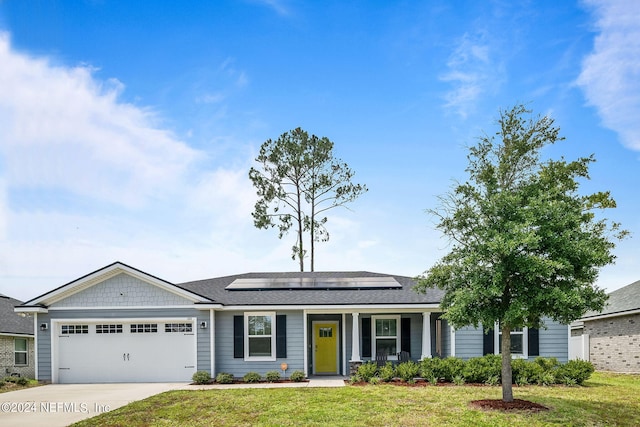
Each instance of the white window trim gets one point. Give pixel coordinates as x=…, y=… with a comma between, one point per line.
x=374, y=336
x=525, y=342
x=271, y=358
x=26, y=352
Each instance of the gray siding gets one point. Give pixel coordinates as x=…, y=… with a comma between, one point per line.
x=225, y=362
x=446, y=339
x=122, y=290
x=416, y=335
x=469, y=342
x=44, y=337
x=554, y=341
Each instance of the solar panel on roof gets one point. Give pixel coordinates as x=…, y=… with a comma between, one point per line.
x=311, y=283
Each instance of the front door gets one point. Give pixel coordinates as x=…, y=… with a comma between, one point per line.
x=325, y=336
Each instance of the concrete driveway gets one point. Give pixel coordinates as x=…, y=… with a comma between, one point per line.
x=63, y=404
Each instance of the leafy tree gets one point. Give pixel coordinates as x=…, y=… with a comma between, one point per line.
x=525, y=243
x=299, y=180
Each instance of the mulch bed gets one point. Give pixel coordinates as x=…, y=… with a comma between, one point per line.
x=516, y=405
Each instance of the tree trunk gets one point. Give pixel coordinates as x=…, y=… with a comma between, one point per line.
x=505, y=345
x=300, y=226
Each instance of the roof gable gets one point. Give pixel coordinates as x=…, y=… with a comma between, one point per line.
x=111, y=286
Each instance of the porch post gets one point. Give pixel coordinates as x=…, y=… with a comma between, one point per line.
x=426, y=335
x=355, y=339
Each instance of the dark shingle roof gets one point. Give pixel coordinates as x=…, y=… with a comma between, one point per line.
x=620, y=301
x=10, y=321
x=215, y=289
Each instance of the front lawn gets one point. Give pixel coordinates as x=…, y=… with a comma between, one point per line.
x=605, y=399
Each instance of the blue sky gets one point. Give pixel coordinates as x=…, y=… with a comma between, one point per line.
x=127, y=129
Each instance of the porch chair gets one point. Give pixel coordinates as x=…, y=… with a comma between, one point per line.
x=404, y=356
x=381, y=358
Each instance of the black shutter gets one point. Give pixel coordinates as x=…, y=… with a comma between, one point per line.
x=488, y=342
x=534, y=344
x=238, y=337
x=281, y=335
x=405, y=334
x=366, y=337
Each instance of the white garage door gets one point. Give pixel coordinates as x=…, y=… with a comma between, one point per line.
x=134, y=351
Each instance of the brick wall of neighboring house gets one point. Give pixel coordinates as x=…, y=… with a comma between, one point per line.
x=7, y=365
x=614, y=343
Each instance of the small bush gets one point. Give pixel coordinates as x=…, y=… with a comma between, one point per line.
x=23, y=381
x=451, y=367
x=272, y=376
x=546, y=378
x=297, y=376
x=431, y=368
x=577, y=370
x=224, y=378
x=354, y=379
x=374, y=380
x=2, y=383
x=547, y=363
x=433, y=380
x=251, y=377
x=387, y=372
x=493, y=380
x=407, y=371
x=458, y=380
x=201, y=377
x=524, y=372
x=480, y=369
x=367, y=370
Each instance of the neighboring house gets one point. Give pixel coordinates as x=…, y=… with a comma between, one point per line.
x=611, y=339
x=16, y=340
x=119, y=324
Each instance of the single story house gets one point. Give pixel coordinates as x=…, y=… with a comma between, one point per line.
x=610, y=339
x=120, y=324
x=16, y=340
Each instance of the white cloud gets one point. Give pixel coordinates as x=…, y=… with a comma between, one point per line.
x=471, y=73
x=610, y=76
x=63, y=129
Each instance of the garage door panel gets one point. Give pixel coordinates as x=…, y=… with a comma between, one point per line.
x=127, y=352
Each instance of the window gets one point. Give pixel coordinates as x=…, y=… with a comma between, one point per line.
x=386, y=335
x=20, y=352
x=74, y=329
x=141, y=328
x=178, y=327
x=518, y=342
x=108, y=329
x=260, y=343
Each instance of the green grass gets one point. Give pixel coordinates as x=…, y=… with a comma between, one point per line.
x=606, y=399
x=11, y=386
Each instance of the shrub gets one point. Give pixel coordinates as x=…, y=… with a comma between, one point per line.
x=546, y=378
x=458, y=380
x=251, y=377
x=407, y=371
x=493, y=380
x=297, y=376
x=224, y=378
x=387, y=372
x=367, y=370
x=577, y=370
x=354, y=379
x=431, y=368
x=524, y=372
x=2, y=383
x=374, y=380
x=480, y=369
x=272, y=376
x=547, y=363
x=451, y=367
x=201, y=377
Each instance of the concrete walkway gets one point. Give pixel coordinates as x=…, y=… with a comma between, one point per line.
x=58, y=405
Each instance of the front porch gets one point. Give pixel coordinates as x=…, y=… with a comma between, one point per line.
x=330, y=337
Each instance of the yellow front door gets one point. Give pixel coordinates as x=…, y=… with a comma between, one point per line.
x=326, y=348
